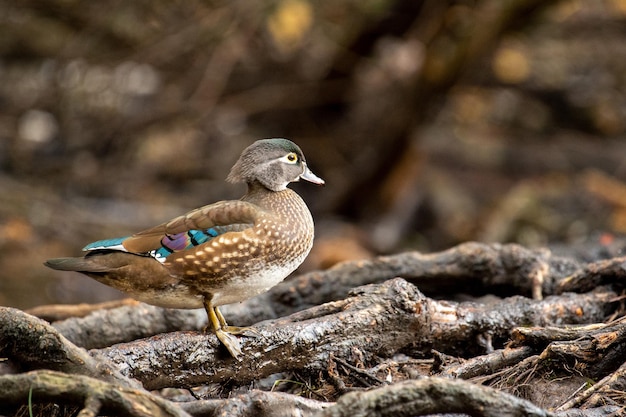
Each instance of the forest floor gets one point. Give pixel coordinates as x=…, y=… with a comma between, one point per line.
x=478, y=329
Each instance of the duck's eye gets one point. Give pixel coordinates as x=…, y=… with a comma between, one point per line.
x=291, y=158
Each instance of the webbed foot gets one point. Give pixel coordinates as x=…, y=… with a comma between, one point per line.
x=225, y=333
x=230, y=342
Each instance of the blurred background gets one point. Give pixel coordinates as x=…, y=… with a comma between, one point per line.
x=433, y=122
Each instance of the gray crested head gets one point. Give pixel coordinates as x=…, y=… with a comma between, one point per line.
x=274, y=163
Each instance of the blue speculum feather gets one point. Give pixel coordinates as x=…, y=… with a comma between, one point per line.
x=169, y=243
x=115, y=243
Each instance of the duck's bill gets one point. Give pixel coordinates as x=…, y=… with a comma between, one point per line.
x=309, y=176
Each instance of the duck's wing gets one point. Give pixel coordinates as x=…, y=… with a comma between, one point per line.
x=183, y=232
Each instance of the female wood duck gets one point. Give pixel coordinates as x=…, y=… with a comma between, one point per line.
x=218, y=254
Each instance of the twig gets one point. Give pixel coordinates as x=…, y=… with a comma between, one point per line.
x=486, y=365
x=581, y=397
x=359, y=371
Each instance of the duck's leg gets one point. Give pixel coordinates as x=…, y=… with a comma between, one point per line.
x=228, y=340
x=248, y=331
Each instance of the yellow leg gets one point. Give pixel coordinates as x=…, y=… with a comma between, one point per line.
x=220, y=317
x=217, y=322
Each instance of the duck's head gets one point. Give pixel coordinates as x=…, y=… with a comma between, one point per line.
x=274, y=163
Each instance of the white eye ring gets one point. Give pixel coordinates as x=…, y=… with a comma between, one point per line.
x=290, y=158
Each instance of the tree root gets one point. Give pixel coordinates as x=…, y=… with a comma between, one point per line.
x=432, y=396
x=470, y=267
x=94, y=396
x=378, y=320
x=30, y=343
x=604, y=272
x=365, y=346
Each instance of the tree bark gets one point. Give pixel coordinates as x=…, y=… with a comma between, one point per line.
x=377, y=320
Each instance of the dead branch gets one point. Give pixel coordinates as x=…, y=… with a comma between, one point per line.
x=594, y=350
x=609, y=271
x=594, y=356
x=96, y=397
x=542, y=336
x=577, y=353
x=377, y=320
x=93, y=395
x=469, y=267
x=487, y=364
x=31, y=343
x=126, y=323
x=432, y=396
